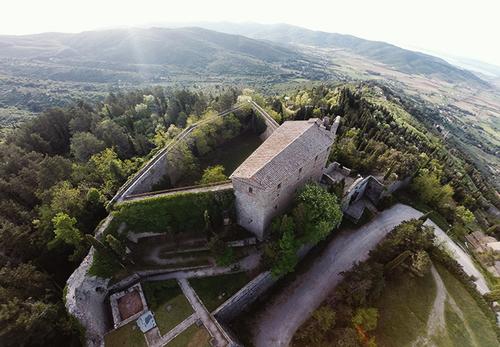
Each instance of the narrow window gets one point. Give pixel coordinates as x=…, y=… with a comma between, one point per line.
x=315, y=159
x=250, y=189
x=276, y=207
x=279, y=186
x=300, y=170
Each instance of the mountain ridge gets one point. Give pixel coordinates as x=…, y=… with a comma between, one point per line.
x=401, y=59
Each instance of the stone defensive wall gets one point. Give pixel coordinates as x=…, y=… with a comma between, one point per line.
x=158, y=166
x=272, y=125
x=233, y=306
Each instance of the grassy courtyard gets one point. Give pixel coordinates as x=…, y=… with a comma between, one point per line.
x=232, y=153
x=128, y=335
x=193, y=336
x=213, y=291
x=168, y=303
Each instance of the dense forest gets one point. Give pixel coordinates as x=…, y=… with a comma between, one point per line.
x=57, y=172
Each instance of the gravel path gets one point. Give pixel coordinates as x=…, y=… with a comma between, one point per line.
x=461, y=256
x=278, y=321
x=248, y=263
x=179, y=328
x=436, y=321
x=208, y=320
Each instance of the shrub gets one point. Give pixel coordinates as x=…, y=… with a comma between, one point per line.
x=213, y=174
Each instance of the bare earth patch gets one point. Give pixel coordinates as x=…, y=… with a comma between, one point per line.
x=129, y=304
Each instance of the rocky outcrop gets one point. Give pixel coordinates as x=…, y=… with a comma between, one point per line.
x=85, y=301
x=85, y=297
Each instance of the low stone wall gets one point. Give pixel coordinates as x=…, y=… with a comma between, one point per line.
x=397, y=185
x=233, y=306
x=139, y=276
x=115, y=311
x=135, y=237
x=250, y=241
x=337, y=167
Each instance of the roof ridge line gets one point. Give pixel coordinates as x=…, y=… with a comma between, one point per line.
x=278, y=153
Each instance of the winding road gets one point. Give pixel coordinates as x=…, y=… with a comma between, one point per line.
x=276, y=324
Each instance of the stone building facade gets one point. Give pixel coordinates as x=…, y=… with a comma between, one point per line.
x=266, y=182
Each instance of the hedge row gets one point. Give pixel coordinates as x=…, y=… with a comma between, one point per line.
x=175, y=213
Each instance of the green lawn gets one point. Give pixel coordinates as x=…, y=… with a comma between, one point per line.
x=404, y=307
x=159, y=295
x=128, y=335
x=210, y=288
x=193, y=336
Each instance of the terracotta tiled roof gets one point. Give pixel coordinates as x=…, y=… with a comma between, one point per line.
x=284, y=152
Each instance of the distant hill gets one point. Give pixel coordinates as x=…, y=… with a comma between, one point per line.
x=400, y=59
x=184, y=48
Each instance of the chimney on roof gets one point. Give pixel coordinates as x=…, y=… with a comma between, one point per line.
x=326, y=123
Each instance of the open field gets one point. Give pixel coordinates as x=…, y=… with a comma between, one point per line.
x=404, y=307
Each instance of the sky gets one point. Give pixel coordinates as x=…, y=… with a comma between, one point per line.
x=463, y=28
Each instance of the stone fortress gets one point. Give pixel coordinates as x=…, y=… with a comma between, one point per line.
x=264, y=185
x=266, y=182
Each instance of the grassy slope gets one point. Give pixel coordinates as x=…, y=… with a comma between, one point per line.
x=406, y=304
x=475, y=320
x=404, y=308
x=230, y=155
